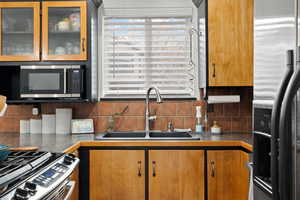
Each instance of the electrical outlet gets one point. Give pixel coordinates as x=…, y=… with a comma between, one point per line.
x=35, y=111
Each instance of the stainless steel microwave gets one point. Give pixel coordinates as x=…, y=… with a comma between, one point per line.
x=52, y=81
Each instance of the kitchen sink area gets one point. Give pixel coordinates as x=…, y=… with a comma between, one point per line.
x=141, y=135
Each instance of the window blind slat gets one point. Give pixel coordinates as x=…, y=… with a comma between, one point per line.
x=143, y=52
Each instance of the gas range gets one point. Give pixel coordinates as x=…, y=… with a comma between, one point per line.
x=37, y=176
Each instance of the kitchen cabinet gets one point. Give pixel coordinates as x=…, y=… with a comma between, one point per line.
x=173, y=174
x=230, y=42
x=19, y=31
x=64, y=26
x=227, y=175
x=176, y=175
x=117, y=174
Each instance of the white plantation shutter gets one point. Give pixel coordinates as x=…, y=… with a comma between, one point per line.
x=141, y=52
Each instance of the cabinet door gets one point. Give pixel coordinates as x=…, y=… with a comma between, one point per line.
x=230, y=40
x=228, y=176
x=64, y=30
x=176, y=175
x=117, y=174
x=19, y=31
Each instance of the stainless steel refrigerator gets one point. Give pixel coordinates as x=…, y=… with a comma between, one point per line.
x=276, y=105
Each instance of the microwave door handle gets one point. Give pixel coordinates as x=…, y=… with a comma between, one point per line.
x=285, y=136
x=275, y=122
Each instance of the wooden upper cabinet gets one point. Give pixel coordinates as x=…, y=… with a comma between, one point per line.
x=176, y=175
x=230, y=42
x=117, y=174
x=19, y=31
x=228, y=176
x=64, y=30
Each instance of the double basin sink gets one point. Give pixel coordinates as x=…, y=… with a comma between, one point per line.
x=141, y=135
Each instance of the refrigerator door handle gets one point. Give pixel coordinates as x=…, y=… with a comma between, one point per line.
x=285, y=135
x=275, y=123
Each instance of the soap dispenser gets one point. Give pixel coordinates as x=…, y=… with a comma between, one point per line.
x=198, y=127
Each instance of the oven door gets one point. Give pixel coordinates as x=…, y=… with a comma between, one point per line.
x=63, y=192
x=43, y=83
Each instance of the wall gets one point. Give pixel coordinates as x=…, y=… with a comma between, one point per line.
x=236, y=117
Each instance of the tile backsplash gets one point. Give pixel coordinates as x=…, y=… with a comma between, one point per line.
x=235, y=117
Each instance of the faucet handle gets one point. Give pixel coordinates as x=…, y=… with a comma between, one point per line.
x=152, y=117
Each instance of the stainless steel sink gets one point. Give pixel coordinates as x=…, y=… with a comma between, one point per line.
x=170, y=134
x=125, y=135
x=141, y=135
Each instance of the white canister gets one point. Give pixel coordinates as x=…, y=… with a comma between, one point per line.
x=24, y=126
x=63, y=120
x=48, y=124
x=35, y=126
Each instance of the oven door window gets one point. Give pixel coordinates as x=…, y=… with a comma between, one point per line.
x=42, y=81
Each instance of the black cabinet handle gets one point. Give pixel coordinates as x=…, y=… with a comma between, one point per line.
x=214, y=70
x=140, y=168
x=83, y=44
x=153, y=168
x=213, y=169
x=275, y=123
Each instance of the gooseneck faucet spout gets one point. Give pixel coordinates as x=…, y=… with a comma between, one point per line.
x=148, y=118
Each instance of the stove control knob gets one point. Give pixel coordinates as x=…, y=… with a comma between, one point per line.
x=68, y=160
x=30, y=186
x=71, y=155
x=21, y=194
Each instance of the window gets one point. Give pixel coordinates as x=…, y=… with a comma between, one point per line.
x=139, y=52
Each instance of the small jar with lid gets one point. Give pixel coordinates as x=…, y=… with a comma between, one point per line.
x=216, y=129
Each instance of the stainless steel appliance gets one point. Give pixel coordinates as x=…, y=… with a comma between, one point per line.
x=276, y=127
x=37, y=176
x=53, y=81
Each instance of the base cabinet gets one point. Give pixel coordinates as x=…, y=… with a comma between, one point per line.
x=117, y=174
x=120, y=175
x=168, y=174
x=228, y=176
x=176, y=175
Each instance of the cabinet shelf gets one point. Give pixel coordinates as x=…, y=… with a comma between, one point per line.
x=17, y=33
x=64, y=32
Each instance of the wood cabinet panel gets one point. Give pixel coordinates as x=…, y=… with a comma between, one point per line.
x=227, y=175
x=230, y=42
x=176, y=175
x=81, y=41
x=117, y=174
x=14, y=34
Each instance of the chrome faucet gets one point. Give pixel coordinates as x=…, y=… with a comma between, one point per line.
x=148, y=118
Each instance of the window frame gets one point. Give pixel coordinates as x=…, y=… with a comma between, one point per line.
x=193, y=15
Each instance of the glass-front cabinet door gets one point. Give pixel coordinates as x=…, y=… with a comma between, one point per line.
x=64, y=30
x=19, y=31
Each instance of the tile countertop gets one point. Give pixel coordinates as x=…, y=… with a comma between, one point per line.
x=59, y=143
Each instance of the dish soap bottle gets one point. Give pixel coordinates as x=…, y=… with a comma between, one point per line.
x=199, y=127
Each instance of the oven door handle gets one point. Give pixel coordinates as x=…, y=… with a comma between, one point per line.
x=70, y=186
x=275, y=122
x=285, y=135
